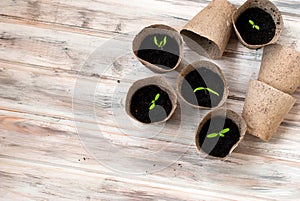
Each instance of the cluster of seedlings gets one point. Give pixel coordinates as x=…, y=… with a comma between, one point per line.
x=201, y=84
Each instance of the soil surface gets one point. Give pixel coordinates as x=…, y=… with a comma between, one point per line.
x=165, y=57
x=250, y=34
x=202, y=77
x=141, y=102
x=218, y=146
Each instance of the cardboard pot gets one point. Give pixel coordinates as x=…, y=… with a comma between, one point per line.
x=268, y=7
x=265, y=108
x=157, y=81
x=202, y=64
x=221, y=112
x=280, y=68
x=157, y=29
x=209, y=31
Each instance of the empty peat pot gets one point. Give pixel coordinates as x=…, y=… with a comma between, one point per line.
x=151, y=100
x=265, y=108
x=209, y=31
x=159, y=47
x=280, y=68
x=202, y=85
x=220, y=132
x=257, y=23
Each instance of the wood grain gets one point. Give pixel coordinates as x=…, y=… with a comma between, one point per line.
x=54, y=145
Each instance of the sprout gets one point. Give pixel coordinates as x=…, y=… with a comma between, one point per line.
x=206, y=89
x=254, y=26
x=152, y=106
x=162, y=43
x=221, y=133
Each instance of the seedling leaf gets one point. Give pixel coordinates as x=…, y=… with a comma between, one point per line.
x=165, y=41
x=153, y=101
x=155, y=41
x=152, y=106
x=156, y=97
x=254, y=26
x=225, y=130
x=212, y=135
x=161, y=43
x=251, y=22
x=212, y=91
x=221, y=133
x=199, y=89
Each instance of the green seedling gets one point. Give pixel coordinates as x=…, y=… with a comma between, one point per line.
x=152, y=106
x=162, y=43
x=254, y=26
x=221, y=133
x=206, y=89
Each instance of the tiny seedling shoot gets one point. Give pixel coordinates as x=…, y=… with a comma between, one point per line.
x=152, y=106
x=221, y=133
x=162, y=43
x=206, y=89
x=254, y=26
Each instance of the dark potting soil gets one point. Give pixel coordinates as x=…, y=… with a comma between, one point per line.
x=202, y=77
x=218, y=146
x=165, y=57
x=261, y=18
x=141, y=101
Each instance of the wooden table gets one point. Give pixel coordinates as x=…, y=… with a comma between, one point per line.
x=62, y=130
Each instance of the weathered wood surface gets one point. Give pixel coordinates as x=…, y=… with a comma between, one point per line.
x=44, y=44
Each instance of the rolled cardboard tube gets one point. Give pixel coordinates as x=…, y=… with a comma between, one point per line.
x=157, y=29
x=237, y=119
x=265, y=108
x=202, y=64
x=209, y=31
x=154, y=80
x=280, y=68
x=267, y=6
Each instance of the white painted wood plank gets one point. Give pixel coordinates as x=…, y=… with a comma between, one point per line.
x=43, y=44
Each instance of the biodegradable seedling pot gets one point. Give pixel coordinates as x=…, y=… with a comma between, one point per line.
x=220, y=132
x=151, y=100
x=159, y=47
x=280, y=68
x=265, y=108
x=257, y=23
x=209, y=31
x=202, y=85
